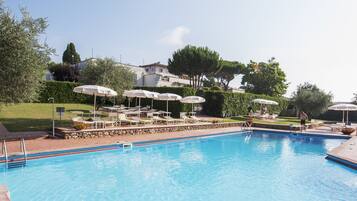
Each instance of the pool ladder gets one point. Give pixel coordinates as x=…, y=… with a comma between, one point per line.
x=18, y=159
x=246, y=127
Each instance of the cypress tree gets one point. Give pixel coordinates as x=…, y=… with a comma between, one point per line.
x=70, y=55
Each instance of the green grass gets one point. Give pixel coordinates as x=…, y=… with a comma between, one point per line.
x=37, y=116
x=279, y=120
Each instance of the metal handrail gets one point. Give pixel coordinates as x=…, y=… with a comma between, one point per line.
x=23, y=147
x=4, y=151
x=246, y=126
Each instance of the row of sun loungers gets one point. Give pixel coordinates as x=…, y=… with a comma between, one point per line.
x=265, y=116
x=135, y=120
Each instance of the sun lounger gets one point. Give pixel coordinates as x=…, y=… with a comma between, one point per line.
x=174, y=120
x=142, y=121
x=336, y=127
x=123, y=119
x=162, y=120
x=196, y=119
x=185, y=118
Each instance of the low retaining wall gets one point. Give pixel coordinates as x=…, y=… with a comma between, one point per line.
x=94, y=133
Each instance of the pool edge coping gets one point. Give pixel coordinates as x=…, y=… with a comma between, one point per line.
x=112, y=146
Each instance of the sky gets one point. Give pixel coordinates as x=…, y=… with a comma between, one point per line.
x=313, y=40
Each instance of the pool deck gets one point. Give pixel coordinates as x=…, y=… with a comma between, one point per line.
x=50, y=144
x=346, y=153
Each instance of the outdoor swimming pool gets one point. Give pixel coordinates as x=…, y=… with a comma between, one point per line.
x=260, y=166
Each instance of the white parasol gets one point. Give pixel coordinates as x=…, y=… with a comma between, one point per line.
x=193, y=100
x=137, y=93
x=265, y=102
x=95, y=90
x=344, y=107
x=168, y=97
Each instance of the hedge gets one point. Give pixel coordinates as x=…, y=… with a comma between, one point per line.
x=218, y=103
x=175, y=107
x=227, y=104
x=337, y=116
x=62, y=92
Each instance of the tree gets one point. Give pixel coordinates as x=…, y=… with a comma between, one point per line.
x=195, y=62
x=265, y=78
x=229, y=69
x=105, y=72
x=23, y=57
x=70, y=55
x=209, y=81
x=64, y=72
x=310, y=99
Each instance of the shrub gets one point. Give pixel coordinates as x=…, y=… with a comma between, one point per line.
x=226, y=104
x=62, y=92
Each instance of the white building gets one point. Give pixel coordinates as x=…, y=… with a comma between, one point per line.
x=157, y=75
x=151, y=75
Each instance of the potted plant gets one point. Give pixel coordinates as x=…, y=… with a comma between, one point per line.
x=347, y=130
x=80, y=126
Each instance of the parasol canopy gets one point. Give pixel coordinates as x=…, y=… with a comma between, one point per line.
x=95, y=90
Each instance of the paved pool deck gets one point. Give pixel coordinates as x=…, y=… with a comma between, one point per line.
x=52, y=144
x=346, y=153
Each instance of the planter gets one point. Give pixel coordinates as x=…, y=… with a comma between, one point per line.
x=347, y=131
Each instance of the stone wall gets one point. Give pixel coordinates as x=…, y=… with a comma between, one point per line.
x=94, y=133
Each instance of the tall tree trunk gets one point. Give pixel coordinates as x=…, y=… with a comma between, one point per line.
x=199, y=81
x=194, y=82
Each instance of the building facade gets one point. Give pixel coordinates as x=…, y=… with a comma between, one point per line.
x=150, y=75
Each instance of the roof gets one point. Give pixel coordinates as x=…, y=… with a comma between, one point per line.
x=154, y=64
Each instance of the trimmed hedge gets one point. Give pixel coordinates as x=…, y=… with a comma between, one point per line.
x=175, y=107
x=218, y=103
x=227, y=104
x=331, y=115
x=62, y=92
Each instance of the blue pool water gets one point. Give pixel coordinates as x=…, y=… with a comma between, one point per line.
x=265, y=166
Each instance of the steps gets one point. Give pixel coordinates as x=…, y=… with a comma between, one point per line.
x=15, y=160
x=16, y=164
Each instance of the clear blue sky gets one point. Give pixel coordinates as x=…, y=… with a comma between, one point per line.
x=314, y=40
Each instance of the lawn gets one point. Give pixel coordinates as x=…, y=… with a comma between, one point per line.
x=37, y=116
x=279, y=120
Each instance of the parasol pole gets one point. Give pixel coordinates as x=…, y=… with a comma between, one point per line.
x=167, y=106
x=95, y=100
x=347, y=117
x=343, y=116
x=139, y=105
